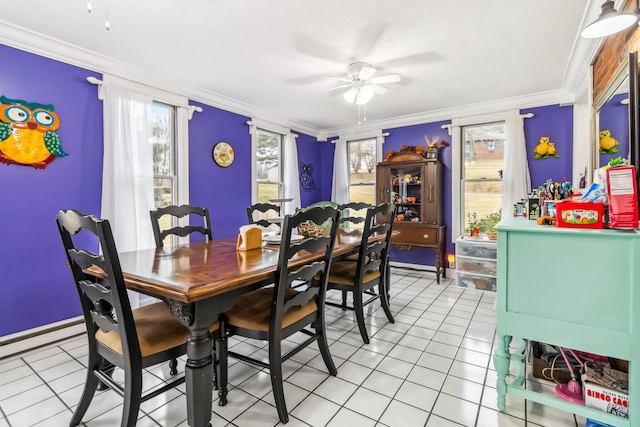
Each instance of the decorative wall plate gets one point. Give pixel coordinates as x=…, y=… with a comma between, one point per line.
x=223, y=154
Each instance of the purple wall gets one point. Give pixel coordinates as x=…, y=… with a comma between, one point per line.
x=36, y=286
x=225, y=191
x=615, y=117
x=32, y=262
x=415, y=135
x=556, y=122
x=319, y=157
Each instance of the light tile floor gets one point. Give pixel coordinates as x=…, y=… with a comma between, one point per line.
x=431, y=368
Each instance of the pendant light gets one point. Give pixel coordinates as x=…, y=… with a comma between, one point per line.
x=609, y=22
x=107, y=23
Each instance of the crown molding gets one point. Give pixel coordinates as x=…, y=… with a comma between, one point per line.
x=30, y=41
x=36, y=43
x=583, y=51
x=540, y=99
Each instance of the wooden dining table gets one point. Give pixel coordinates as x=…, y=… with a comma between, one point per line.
x=201, y=280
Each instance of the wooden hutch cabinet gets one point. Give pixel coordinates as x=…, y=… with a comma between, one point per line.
x=414, y=184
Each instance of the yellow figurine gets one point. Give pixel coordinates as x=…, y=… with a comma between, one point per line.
x=541, y=151
x=608, y=144
x=545, y=148
x=552, y=151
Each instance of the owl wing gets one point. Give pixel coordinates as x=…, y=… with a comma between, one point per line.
x=52, y=142
x=5, y=131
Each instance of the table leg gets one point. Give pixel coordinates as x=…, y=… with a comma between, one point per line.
x=387, y=278
x=199, y=378
x=501, y=361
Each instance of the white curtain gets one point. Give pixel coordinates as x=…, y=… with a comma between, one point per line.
x=340, y=183
x=516, y=180
x=291, y=178
x=127, y=177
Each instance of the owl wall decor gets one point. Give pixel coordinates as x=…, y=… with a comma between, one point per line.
x=306, y=177
x=28, y=133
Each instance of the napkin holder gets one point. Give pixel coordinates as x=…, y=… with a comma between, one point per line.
x=249, y=238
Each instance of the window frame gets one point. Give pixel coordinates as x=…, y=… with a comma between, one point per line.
x=279, y=183
x=378, y=158
x=463, y=169
x=174, y=170
x=256, y=125
x=457, y=160
x=339, y=169
x=182, y=114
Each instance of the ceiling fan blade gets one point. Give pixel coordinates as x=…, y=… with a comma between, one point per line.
x=366, y=73
x=350, y=95
x=379, y=90
x=342, y=79
x=338, y=87
x=391, y=78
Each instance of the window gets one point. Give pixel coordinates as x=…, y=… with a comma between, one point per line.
x=362, y=160
x=164, y=154
x=268, y=167
x=481, y=171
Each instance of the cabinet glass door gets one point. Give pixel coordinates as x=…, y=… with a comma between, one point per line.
x=406, y=192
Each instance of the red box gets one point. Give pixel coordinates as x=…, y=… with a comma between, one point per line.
x=579, y=215
x=622, y=193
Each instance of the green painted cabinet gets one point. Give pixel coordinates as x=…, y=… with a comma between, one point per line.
x=577, y=288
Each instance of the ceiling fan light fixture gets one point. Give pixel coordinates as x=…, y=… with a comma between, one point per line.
x=350, y=95
x=360, y=70
x=609, y=22
x=364, y=95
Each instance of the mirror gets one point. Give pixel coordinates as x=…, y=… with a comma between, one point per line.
x=612, y=120
x=634, y=114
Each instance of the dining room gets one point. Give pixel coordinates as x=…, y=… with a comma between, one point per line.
x=429, y=366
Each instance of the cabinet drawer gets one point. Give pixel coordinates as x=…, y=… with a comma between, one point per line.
x=415, y=236
x=473, y=281
x=476, y=265
x=478, y=248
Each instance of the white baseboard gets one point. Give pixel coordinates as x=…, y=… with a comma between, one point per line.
x=13, y=344
x=421, y=267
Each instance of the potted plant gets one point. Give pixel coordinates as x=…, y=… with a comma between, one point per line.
x=483, y=226
x=473, y=227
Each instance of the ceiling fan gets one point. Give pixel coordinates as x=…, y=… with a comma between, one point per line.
x=361, y=83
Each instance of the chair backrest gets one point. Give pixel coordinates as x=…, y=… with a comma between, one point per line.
x=323, y=204
x=374, y=252
x=264, y=208
x=353, y=213
x=179, y=212
x=104, y=301
x=289, y=270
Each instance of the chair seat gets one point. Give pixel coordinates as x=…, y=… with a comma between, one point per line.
x=344, y=273
x=252, y=310
x=351, y=258
x=158, y=330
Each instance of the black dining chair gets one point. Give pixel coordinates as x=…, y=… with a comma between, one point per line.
x=369, y=270
x=175, y=212
x=118, y=336
x=276, y=312
x=259, y=212
x=353, y=213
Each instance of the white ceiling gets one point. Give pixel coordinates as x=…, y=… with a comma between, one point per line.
x=271, y=58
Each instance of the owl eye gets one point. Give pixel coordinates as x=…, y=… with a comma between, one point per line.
x=43, y=118
x=17, y=114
